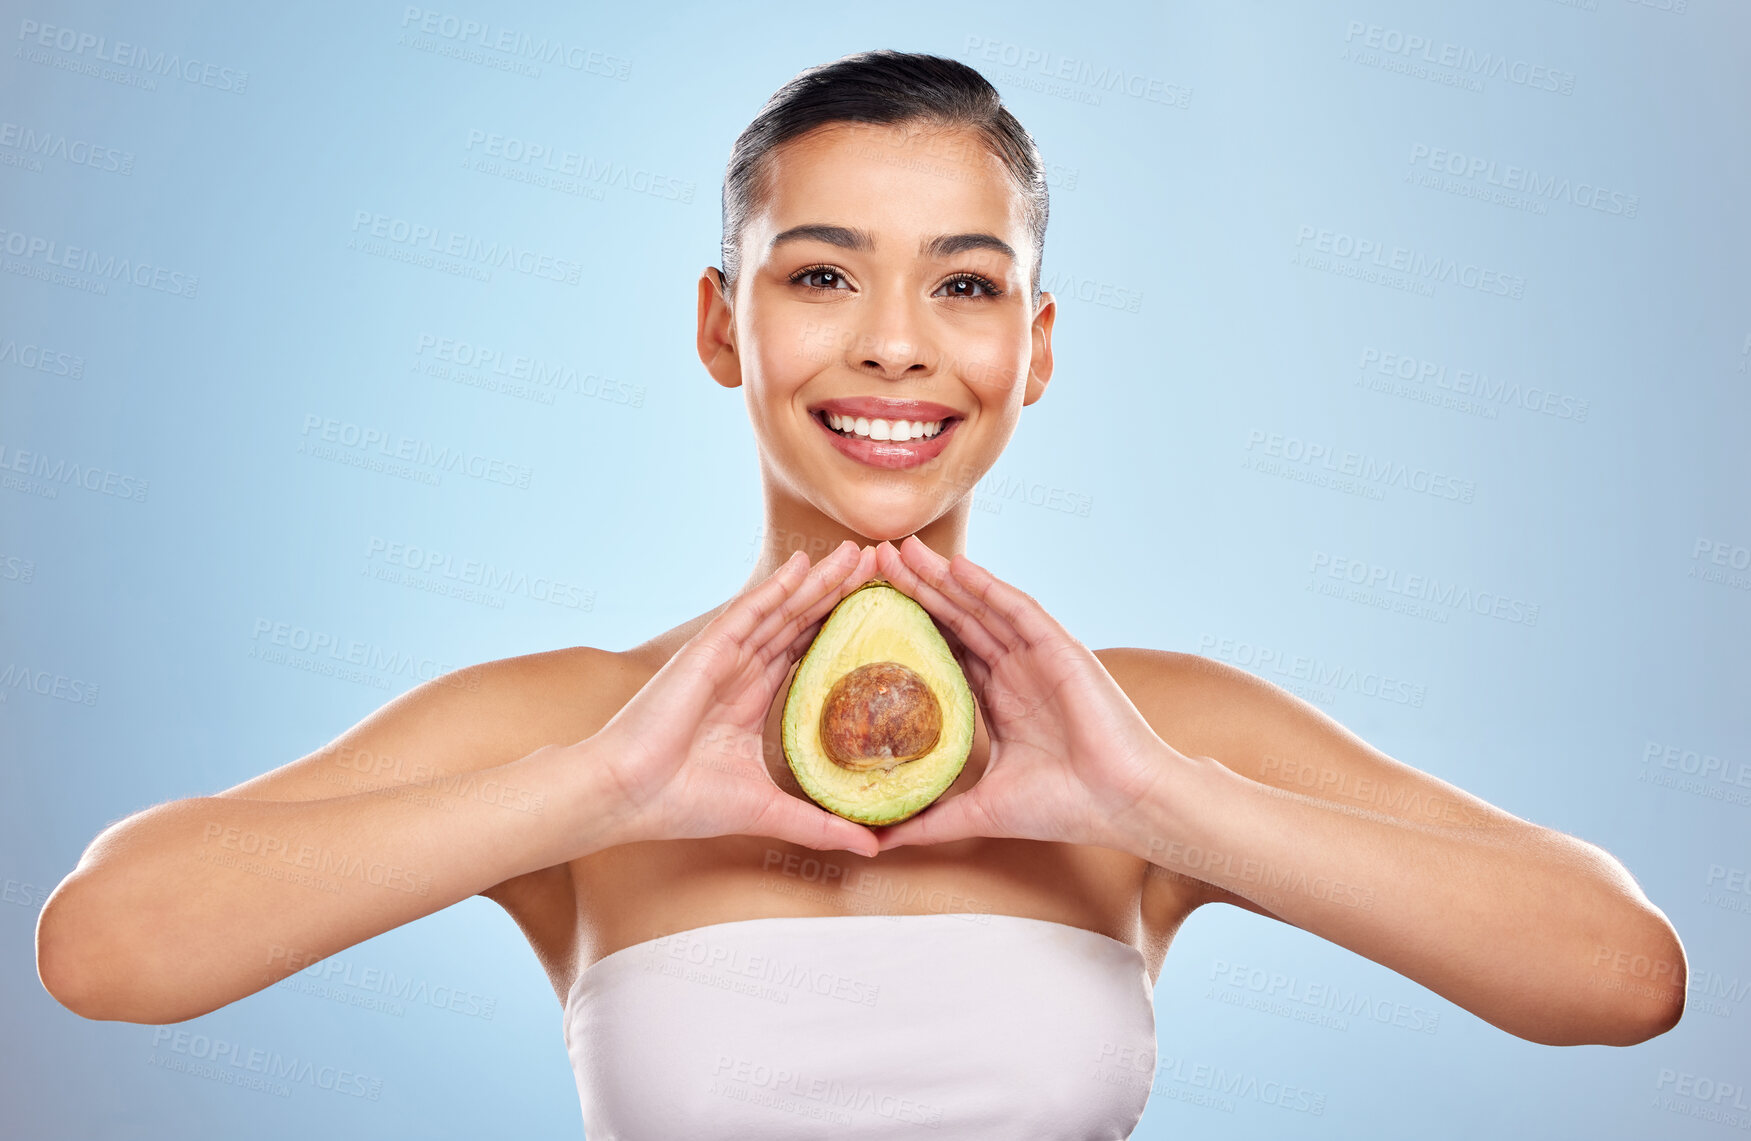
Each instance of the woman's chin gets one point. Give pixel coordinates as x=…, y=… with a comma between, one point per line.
x=877, y=525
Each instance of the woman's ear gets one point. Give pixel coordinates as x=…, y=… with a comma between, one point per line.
x=1040, y=364
x=717, y=330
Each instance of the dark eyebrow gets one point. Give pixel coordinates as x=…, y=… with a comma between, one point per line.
x=851, y=238
x=948, y=245
x=845, y=237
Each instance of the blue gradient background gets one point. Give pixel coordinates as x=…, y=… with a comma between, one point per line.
x=642, y=496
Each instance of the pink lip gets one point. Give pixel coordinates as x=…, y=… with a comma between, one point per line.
x=888, y=453
x=880, y=408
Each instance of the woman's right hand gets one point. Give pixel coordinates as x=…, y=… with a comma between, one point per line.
x=687, y=752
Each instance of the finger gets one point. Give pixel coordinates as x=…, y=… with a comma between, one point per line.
x=972, y=665
x=717, y=655
x=955, y=619
x=800, y=822
x=865, y=570
x=747, y=612
x=939, y=571
x=816, y=581
x=816, y=594
x=972, y=633
x=942, y=822
x=781, y=663
x=1021, y=610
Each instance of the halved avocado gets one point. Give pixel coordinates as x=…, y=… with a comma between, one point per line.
x=878, y=721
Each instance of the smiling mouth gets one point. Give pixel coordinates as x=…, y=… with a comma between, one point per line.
x=887, y=431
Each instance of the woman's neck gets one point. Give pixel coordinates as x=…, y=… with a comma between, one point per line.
x=794, y=524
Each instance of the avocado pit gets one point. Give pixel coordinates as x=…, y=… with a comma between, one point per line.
x=878, y=715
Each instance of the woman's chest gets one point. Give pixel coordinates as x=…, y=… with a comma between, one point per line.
x=638, y=892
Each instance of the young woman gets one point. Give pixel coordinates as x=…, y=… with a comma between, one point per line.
x=733, y=960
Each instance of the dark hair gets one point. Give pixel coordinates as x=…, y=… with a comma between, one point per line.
x=882, y=87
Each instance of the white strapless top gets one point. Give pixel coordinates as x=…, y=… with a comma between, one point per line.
x=963, y=1026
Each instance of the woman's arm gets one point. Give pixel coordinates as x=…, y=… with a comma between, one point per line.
x=442, y=794
x=1537, y=932
x=462, y=784
x=1281, y=810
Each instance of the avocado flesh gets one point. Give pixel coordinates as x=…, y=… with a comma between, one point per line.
x=872, y=625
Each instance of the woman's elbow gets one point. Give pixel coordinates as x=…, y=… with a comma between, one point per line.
x=1641, y=992
x=80, y=965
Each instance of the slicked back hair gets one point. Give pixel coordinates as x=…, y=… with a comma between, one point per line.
x=884, y=88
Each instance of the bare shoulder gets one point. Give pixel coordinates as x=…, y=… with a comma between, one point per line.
x=448, y=729
x=1263, y=732
x=1214, y=708
x=472, y=718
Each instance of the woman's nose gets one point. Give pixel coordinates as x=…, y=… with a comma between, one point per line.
x=890, y=340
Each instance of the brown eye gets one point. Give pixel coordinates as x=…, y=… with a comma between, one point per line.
x=969, y=285
x=820, y=278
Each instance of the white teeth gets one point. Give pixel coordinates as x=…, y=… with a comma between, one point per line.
x=878, y=429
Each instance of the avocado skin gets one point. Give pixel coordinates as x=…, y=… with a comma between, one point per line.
x=877, y=622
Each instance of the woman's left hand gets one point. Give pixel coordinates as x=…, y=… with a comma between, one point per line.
x=1070, y=753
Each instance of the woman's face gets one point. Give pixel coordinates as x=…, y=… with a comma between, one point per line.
x=885, y=281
